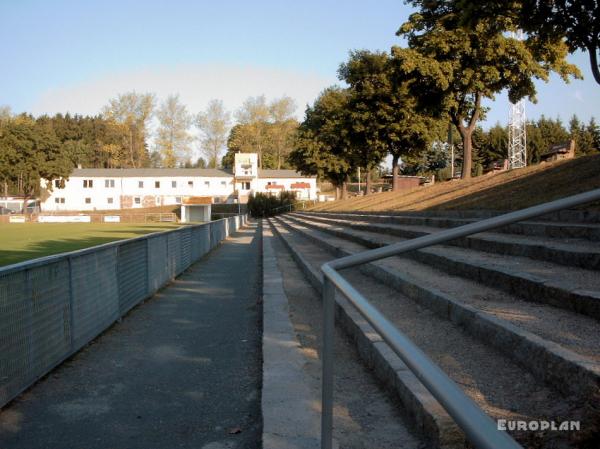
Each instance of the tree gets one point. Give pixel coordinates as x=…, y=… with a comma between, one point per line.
x=582, y=135
x=384, y=109
x=594, y=131
x=7, y=152
x=253, y=136
x=133, y=111
x=541, y=135
x=454, y=67
x=5, y=116
x=577, y=21
x=283, y=128
x=173, y=138
x=214, y=125
x=32, y=152
x=322, y=145
x=267, y=129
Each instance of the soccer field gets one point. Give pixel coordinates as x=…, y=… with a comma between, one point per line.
x=24, y=241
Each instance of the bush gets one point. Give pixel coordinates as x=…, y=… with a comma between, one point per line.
x=262, y=205
x=443, y=174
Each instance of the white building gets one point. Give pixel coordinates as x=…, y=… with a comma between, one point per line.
x=106, y=189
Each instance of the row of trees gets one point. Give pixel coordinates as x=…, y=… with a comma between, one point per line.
x=50, y=147
x=268, y=129
x=398, y=103
x=491, y=146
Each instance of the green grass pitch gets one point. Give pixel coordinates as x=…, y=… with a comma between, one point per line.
x=24, y=241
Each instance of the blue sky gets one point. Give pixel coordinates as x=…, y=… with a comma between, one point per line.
x=73, y=56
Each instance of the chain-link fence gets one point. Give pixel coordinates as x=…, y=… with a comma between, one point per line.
x=51, y=307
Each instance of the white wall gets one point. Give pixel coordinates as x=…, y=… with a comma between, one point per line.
x=305, y=194
x=74, y=193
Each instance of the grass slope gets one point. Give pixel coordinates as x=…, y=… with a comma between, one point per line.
x=24, y=241
x=505, y=191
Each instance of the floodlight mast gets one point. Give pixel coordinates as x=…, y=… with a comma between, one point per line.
x=517, y=127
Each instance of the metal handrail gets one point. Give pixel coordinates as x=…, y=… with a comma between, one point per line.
x=479, y=428
x=285, y=206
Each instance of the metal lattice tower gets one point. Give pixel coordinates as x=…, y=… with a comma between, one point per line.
x=517, y=131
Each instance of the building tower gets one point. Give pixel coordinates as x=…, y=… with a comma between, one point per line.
x=517, y=131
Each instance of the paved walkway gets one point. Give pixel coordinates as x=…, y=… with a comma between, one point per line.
x=182, y=370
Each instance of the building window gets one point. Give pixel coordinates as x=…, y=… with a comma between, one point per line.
x=157, y=184
x=88, y=201
x=109, y=200
x=217, y=200
x=223, y=183
x=245, y=186
x=190, y=183
x=141, y=184
x=88, y=183
x=157, y=200
x=207, y=183
x=109, y=183
x=174, y=184
x=137, y=200
x=59, y=183
x=59, y=200
x=177, y=200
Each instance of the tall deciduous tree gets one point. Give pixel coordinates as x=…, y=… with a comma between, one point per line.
x=384, y=110
x=173, y=138
x=214, y=124
x=323, y=145
x=134, y=111
x=253, y=137
x=267, y=129
x=283, y=128
x=454, y=67
x=578, y=21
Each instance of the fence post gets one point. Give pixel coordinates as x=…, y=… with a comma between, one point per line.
x=71, y=305
x=328, y=354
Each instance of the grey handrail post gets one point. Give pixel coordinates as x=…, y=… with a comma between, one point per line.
x=327, y=357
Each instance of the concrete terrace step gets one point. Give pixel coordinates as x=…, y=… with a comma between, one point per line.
x=556, y=345
x=568, y=252
x=538, y=228
x=428, y=417
x=365, y=415
x=493, y=379
x=569, y=288
x=564, y=216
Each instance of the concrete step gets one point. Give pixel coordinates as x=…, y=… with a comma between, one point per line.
x=552, y=343
x=569, y=252
x=495, y=380
x=365, y=414
x=573, y=289
x=581, y=216
x=534, y=228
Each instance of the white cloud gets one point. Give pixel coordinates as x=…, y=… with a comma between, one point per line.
x=196, y=84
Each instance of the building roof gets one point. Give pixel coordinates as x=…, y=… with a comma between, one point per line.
x=176, y=172
x=281, y=174
x=151, y=172
x=196, y=200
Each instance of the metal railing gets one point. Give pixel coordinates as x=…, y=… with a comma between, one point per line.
x=479, y=428
x=284, y=208
x=52, y=306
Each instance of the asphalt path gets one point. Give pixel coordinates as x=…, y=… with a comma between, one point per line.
x=182, y=370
